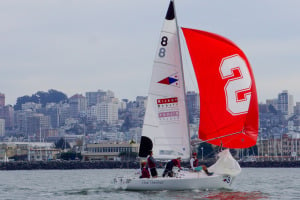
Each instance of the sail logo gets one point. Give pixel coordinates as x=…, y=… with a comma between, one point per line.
x=168, y=114
x=168, y=109
x=172, y=80
x=167, y=101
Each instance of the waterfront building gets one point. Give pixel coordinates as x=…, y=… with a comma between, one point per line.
x=283, y=147
x=108, y=151
x=32, y=151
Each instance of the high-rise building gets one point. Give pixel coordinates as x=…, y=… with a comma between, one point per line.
x=92, y=97
x=2, y=100
x=78, y=105
x=141, y=101
x=52, y=111
x=273, y=102
x=9, y=117
x=297, y=108
x=285, y=103
x=38, y=124
x=193, y=103
x=31, y=106
x=98, y=97
x=108, y=111
x=64, y=113
x=21, y=117
x=2, y=127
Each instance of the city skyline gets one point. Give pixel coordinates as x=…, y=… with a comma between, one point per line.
x=75, y=47
x=120, y=98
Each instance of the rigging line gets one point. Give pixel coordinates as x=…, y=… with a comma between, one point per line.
x=217, y=138
x=220, y=147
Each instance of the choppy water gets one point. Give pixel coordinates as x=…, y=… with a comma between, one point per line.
x=252, y=184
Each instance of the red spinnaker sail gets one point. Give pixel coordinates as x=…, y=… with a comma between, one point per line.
x=228, y=98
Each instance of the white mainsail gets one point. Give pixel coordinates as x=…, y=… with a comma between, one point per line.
x=165, y=129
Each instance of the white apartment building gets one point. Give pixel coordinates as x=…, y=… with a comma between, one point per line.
x=31, y=106
x=108, y=111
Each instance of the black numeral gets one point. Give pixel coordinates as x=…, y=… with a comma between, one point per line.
x=164, y=41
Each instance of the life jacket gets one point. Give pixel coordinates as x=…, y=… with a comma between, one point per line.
x=145, y=173
x=150, y=162
x=176, y=163
x=195, y=163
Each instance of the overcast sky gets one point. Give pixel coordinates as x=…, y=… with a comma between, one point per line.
x=76, y=46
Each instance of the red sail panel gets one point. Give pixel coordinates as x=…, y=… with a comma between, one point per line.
x=228, y=98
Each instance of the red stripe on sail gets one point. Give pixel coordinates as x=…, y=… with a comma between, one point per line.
x=228, y=98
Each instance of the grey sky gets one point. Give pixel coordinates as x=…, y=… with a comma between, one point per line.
x=76, y=46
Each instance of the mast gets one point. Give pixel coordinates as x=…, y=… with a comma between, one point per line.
x=41, y=156
x=184, y=89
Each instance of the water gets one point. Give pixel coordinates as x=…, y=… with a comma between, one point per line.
x=267, y=183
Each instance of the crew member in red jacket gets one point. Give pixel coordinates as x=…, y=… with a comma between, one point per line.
x=169, y=167
x=144, y=170
x=194, y=165
x=152, y=165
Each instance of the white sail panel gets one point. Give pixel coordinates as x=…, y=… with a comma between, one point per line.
x=165, y=124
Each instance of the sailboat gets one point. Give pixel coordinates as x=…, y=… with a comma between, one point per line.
x=228, y=107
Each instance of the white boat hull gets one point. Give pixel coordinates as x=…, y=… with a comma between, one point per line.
x=183, y=181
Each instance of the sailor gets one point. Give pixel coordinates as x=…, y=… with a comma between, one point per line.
x=144, y=170
x=152, y=165
x=169, y=167
x=194, y=165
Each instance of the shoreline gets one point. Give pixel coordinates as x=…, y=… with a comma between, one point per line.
x=68, y=165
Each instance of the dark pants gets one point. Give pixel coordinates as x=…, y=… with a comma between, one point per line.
x=169, y=169
x=153, y=172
